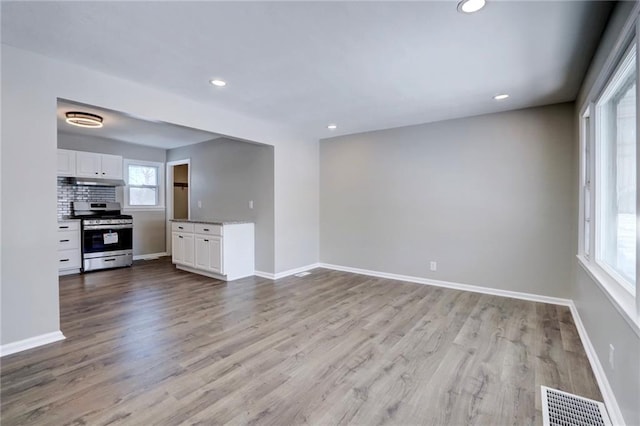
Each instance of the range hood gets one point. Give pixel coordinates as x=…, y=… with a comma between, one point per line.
x=90, y=181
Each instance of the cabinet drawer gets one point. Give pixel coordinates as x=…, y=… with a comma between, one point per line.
x=201, y=228
x=69, y=226
x=69, y=259
x=68, y=240
x=181, y=227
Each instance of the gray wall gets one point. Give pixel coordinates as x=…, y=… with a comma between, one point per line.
x=148, y=226
x=603, y=322
x=225, y=175
x=489, y=198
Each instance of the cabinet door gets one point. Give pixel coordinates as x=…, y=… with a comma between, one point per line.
x=88, y=164
x=215, y=255
x=66, y=162
x=111, y=166
x=202, y=252
x=188, y=244
x=177, y=248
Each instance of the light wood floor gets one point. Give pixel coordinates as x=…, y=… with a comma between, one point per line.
x=150, y=345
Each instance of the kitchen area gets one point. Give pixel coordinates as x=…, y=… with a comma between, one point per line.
x=133, y=189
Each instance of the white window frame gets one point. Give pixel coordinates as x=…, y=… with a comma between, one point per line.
x=626, y=301
x=160, y=185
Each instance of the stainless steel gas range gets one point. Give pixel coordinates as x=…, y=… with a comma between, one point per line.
x=107, y=235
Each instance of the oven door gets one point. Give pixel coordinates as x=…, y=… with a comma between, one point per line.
x=106, y=239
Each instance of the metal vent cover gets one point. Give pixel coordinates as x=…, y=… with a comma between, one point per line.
x=566, y=409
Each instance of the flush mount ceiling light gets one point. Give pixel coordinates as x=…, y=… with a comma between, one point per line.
x=332, y=126
x=500, y=97
x=84, y=119
x=470, y=6
x=217, y=82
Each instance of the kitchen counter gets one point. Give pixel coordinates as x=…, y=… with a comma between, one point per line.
x=67, y=219
x=212, y=221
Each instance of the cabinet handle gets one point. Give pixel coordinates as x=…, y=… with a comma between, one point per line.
x=179, y=236
x=206, y=241
x=97, y=173
x=63, y=227
x=64, y=260
x=206, y=229
x=64, y=241
x=103, y=173
x=109, y=260
x=180, y=227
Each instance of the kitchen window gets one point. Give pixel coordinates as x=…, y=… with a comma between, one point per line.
x=145, y=185
x=609, y=191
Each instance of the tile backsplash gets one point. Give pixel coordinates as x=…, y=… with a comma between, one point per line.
x=67, y=193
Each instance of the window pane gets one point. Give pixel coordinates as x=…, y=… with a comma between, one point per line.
x=617, y=222
x=143, y=196
x=143, y=175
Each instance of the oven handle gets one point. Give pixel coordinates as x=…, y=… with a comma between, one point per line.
x=107, y=227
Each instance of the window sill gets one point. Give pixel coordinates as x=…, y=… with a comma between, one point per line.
x=143, y=209
x=619, y=298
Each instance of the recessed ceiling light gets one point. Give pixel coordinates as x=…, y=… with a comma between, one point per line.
x=84, y=119
x=332, y=126
x=217, y=82
x=470, y=6
x=500, y=97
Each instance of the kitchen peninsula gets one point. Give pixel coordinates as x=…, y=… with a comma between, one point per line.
x=221, y=249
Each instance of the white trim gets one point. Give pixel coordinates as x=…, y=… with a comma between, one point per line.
x=267, y=275
x=160, y=166
x=449, y=284
x=150, y=256
x=605, y=388
x=169, y=196
x=286, y=273
x=626, y=310
x=30, y=343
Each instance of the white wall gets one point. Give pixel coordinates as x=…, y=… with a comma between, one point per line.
x=31, y=84
x=488, y=198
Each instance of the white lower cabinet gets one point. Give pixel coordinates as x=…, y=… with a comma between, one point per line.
x=183, y=250
x=221, y=251
x=209, y=253
x=69, y=258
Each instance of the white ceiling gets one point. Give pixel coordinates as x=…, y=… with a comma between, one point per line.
x=362, y=65
x=126, y=128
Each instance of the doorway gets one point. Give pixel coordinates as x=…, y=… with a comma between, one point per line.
x=178, y=193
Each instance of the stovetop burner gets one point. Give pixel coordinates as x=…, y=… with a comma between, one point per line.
x=98, y=211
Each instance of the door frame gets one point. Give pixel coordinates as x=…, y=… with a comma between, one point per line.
x=169, y=196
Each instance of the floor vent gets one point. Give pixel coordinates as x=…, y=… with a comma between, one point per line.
x=303, y=274
x=565, y=409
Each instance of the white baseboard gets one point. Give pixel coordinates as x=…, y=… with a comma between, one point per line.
x=267, y=275
x=149, y=256
x=30, y=343
x=449, y=284
x=607, y=393
x=287, y=273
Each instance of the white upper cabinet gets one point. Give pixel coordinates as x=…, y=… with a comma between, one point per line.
x=66, y=162
x=90, y=164
x=111, y=166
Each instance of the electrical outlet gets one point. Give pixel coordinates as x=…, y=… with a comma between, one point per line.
x=199, y=204
x=251, y=204
x=612, y=350
x=433, y=266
